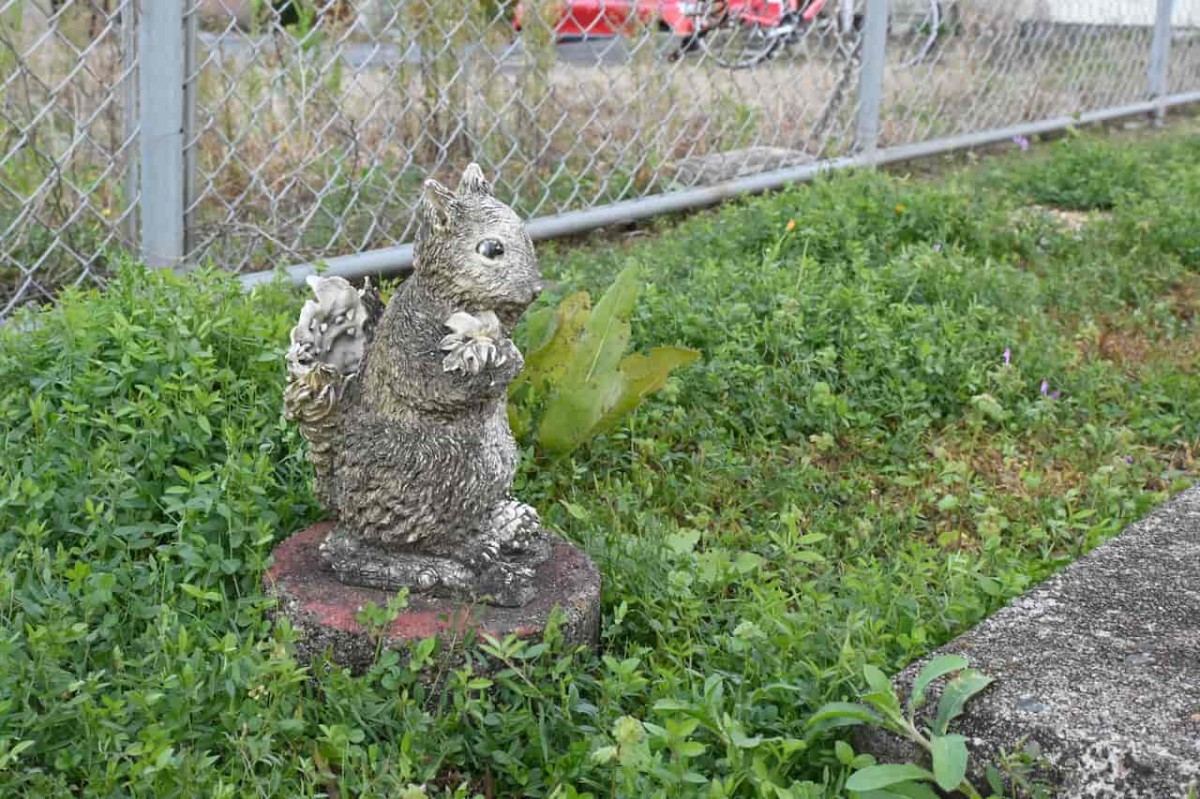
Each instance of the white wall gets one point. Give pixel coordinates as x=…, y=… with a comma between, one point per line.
x=1097, y=12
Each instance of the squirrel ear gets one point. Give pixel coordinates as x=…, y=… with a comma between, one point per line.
x=438, y=204
x=473, y=182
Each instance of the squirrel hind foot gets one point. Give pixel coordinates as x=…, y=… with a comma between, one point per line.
x=358, y=563
x=513, y=533
x=501, y=572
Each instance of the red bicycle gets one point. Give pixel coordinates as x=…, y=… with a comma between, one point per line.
x=737, y=33
x=743, y=33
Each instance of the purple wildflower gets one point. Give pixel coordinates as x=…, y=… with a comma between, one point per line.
x=1129, y=459
x=1021, y=142
x=1055, y=394
x=1045, y=387
x=1007, y=356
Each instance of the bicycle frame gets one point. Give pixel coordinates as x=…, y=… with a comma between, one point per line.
x=765, y=13
x=604, y=18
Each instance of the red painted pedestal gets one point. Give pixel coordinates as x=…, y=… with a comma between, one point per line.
x=323, y=610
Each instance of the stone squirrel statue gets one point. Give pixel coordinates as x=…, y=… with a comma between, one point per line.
x=405, y=413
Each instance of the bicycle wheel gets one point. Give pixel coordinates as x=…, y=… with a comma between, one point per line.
x=926, y=34
x=814, y=28
x=820, y=36
x=735, y=40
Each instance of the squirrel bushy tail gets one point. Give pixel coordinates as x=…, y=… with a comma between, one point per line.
x=328, y=346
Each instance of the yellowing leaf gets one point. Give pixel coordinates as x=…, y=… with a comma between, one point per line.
x=540, y=327
x=572, y=413
x=548, y=364
x=606, y=334
x=577, y=381
x=520, y=418
x=644, y=375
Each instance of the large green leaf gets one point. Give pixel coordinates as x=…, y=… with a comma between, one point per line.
x=877, y=679
x=538, y=329
x=644, y=375
x=606, y=334
x=914, y=790
x=882, y=696
x=545, y=366
x=520, y=418
x=572, y=412
x=955, y=695
x=842, y=714
x=873, y=778
x=902, y=790
x=576, y=371
x=938, y=667
x=949, y=760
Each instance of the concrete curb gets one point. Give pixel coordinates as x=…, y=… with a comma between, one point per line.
x=1098, y=668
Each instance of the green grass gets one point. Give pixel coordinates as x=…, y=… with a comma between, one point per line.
x=851, y=475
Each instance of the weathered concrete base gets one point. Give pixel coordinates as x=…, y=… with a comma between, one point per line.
x=323, y=610
x=1099, y=667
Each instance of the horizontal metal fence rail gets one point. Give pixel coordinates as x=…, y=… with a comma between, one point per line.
x=399, y=260
x=259, y=134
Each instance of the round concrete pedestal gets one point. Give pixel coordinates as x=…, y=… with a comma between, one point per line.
x=323, y=610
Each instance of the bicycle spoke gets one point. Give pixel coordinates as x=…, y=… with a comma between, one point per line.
x=737, y=42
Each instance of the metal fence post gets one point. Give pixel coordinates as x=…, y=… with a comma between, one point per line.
x=1160, y=52
x=129, y=62
x=191, y=91
x=160, y=79
x=870, y=90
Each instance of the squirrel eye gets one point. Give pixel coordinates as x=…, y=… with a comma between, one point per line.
x=490, y=248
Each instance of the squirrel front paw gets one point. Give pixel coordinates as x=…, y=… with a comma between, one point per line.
x=473, y=344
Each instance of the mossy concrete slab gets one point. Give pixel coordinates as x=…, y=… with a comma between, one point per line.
x=1098, y=668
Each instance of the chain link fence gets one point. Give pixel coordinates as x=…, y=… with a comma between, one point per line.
x=68, y=125
x=263, y=133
